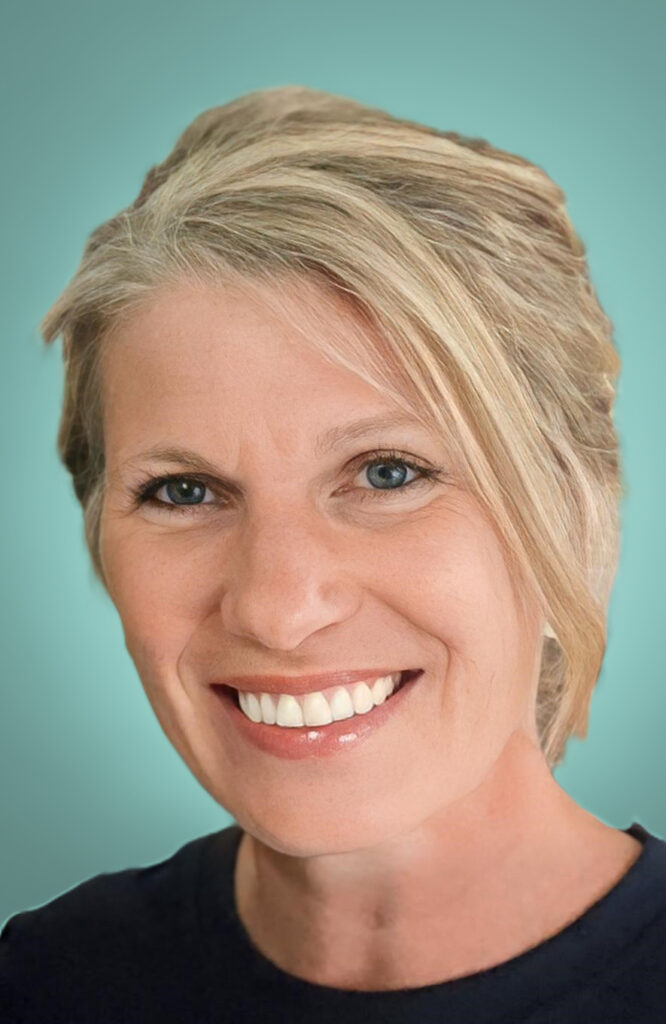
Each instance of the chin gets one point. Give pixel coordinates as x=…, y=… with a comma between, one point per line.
x=299, y=834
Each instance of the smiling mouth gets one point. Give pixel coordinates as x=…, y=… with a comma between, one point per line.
x=320, y=708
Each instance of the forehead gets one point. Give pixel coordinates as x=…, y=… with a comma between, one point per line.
x=188, y=328
x=202, y=359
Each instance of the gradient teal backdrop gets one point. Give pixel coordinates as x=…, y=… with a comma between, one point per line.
x=94, y=94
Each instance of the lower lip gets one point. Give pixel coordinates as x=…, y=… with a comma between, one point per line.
x=296, y=742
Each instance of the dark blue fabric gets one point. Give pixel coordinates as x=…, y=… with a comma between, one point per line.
x=164, y=943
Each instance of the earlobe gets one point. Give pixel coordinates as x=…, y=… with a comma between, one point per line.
x=548, y=631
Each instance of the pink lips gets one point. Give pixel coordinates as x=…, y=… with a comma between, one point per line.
x=307, y=741
x=298, y=685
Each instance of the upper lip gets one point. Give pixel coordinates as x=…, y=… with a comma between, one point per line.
x=303, y=684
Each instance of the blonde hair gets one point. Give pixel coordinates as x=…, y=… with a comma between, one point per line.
x=461, y=259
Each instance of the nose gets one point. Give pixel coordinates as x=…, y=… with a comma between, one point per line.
x=286, y=580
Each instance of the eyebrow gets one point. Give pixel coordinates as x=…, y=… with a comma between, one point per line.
x=335, y=436
x=326, y=442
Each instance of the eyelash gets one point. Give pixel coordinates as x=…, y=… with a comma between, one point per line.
x=145, y=492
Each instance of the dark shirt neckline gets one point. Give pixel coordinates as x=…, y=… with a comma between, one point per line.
x=571, y=958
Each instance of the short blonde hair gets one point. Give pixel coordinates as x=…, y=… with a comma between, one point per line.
x=462, y=259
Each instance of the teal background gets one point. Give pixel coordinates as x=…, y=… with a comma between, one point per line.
x=94, y=94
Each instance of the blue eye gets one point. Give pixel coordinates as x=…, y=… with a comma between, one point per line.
x=394, y=475
x=184, y=490
x=184, y=493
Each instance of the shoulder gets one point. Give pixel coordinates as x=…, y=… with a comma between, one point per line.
x=109, y=901
x=624, y=938
x=99, y=938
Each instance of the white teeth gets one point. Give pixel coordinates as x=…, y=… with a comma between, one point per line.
x=362, y=698
x=289, y=711
x=341, y=704
x=380, y=690
x=251, y=707
x=315, y=708
x=268, y=712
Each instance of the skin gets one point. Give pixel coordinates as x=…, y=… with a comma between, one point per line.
x=442, y=845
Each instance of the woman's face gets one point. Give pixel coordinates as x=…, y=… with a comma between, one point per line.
x=295, y=554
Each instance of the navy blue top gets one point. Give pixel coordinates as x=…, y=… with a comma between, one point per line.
x=164, y=943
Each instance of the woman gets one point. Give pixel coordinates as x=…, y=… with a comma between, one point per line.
x=338, y=412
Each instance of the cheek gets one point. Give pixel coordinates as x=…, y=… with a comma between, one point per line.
x=452, y=586
x=158, y=592
x=459, y=594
